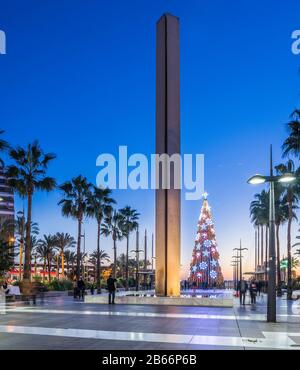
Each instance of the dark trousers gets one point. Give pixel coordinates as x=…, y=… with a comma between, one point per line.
x=81, y=293
x=242, y=297
x=111, y=297
x=253, y=298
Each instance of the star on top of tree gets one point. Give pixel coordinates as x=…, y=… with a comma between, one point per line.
x=205, y=195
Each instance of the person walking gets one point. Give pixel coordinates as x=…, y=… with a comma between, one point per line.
x=259, y=285
x=75, y=289
x=194, y=287
x=81, y=288
x=253, y=291
x=111, y=287
x=5, y=288
x=242, y=288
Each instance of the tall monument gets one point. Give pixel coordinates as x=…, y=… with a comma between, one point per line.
x=167, y=279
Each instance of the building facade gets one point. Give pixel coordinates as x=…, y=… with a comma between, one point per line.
x=7, y=207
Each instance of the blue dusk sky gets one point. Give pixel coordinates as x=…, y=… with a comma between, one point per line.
x=79, y=76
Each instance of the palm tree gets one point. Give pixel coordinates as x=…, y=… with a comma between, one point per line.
x=281, y=216
x=130, y=223
x=34, y=242
x=292, y=144
x=290, y=198
x=76, y=194
x=259, y=211
x=20, y=227
x=113, y=225
x=82, y=257
x=42, y=253
x=64, y=241
x=56, y=261
x=48, y=245
x=27, y=176
x=70, y=258
x=100, y=256
x=99, y=206
x=93, y=260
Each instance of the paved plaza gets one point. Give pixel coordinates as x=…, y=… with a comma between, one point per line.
x=61, y=323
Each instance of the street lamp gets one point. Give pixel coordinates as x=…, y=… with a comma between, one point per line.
x=234, y=264
x=236, y=260
x=271, y=179
x=240, y=249
x=137, y=251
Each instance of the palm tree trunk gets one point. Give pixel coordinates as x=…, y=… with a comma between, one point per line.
x=62, y=264
x=262, y=245
x=266, y=254
x=115, y=258
x=289, y=274
x=78, y=262
x=26, y=275
x=49, y=270
x=126, y=266
x=100, y=267
x=44, y=269
x=255, y=252
x=57, y=268
x=262, y=251
x=279, y=292
x=98, y=274
x=21, y=258
x=258, y=246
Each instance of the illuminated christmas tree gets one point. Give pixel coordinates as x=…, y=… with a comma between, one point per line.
x=205, y=267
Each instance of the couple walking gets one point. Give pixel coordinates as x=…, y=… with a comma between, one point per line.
x=243, y=287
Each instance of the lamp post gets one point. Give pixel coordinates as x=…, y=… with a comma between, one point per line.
x=137, y=252
x=240, y=249
x=145, y=259
x=271, y=179
x=236, y=260
x=234, y=265
x=256, y=253
x=82, y=256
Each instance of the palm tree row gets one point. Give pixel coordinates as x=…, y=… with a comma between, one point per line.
x=286, y=204
x=80, y=199
x=46, y=248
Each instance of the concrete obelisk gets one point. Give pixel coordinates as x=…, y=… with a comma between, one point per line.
x=167, y=279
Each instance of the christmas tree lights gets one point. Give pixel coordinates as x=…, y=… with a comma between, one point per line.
x=205, y=266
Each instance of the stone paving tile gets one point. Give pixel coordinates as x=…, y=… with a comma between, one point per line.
x=136, y=324
x=210, y=327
